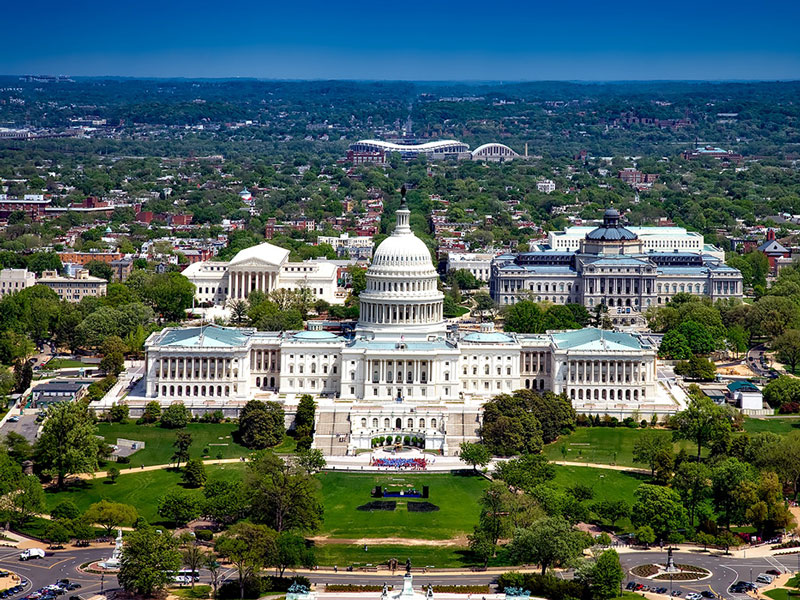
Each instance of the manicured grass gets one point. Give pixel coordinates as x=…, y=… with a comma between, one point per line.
x=779, y=426
x=604, y=445
x=36, y=526
x=216, y=437
x=456, y=496
x=343, y=555
x=198, y=591
x=607, y=484
x=790, y=593
x=139, y=489
x=64, y=363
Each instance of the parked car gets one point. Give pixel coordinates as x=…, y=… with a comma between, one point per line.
x=774, y=572
x=764, y=578
x=708, y=594
x=693, y=596
x=13, y=419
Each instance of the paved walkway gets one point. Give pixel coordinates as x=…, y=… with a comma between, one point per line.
x=361, y=462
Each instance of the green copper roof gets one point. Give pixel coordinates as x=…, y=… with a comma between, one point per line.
x=595, y=339
x=211, y=336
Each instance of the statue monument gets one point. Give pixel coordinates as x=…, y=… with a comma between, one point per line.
x=671, y=568
x=408, y=582
x=116, y=555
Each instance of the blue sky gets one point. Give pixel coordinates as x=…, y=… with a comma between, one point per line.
x=433, y=40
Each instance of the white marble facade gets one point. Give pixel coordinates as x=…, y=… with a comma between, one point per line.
x=401, y=373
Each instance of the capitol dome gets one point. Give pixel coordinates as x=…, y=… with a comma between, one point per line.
x=402, y=297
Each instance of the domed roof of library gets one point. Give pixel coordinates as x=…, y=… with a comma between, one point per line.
x=611, y=230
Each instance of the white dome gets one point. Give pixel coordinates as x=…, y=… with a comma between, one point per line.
x=402, y=250
x=402, y=299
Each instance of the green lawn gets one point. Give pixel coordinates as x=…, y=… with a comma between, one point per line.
x=456, y=496
x=421, y=556
x=779, y=426
x=342, y=493
x=790, y=593
x=140, y=489
x=215, y=437
x=64, y=363
x=607, y=484
x=603, y=445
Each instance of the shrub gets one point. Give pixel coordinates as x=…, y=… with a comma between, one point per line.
x=204, y=535
x=422, y=507
x=545, y=586
x=789, y=408
x=354, y=587
x=378, y=505
x=175, y=416
x=462, y=589
x=212, y=417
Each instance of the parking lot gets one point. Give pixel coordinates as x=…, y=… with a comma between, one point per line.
x=25, y=425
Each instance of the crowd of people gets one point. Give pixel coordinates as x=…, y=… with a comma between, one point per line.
x=413, y=464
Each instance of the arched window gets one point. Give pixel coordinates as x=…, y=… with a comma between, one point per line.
x=386, y=423
x=410, y=424
x=422, y=423
x=363, y=422
x=375, y=423
x=433, y=423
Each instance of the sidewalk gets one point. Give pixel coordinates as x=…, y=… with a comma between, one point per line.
x=439, y=464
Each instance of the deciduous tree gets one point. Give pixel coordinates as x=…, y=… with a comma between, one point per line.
x=68, y=443
x=149, y=558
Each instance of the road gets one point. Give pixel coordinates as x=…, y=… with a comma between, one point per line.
x=754, y=360
x=725, y=571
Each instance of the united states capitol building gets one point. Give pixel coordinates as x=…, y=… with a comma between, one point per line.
x=403, y=372
x=625, y=270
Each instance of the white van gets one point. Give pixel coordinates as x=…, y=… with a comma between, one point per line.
x=31, y=553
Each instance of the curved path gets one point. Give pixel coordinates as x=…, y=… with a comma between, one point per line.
x=725, y=570
x=354, y=463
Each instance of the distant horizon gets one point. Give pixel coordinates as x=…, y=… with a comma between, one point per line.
x=390, y=80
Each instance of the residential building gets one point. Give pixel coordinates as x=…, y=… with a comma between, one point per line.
x=774, y=251
x=359, y=246
x=81, y=258
x=546, y=186
x=74, y=289
x=122, y=268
